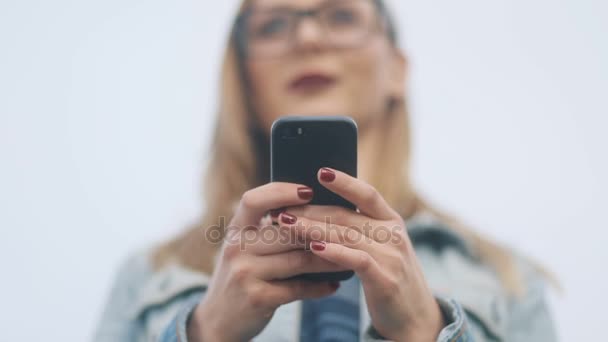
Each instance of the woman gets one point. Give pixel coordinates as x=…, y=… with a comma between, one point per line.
x=439, y=281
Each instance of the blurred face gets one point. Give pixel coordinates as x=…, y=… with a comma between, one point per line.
x=320, y=57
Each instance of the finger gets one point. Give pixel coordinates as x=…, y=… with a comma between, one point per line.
x=256, y=202
x=281, y=292
x=324, y=231
x=367, y=199
x=336, y=214
x=357, y=260
x=267, y=240
x=292, y=263
x=380, y=231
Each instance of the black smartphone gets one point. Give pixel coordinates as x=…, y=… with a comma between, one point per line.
x=300, y=146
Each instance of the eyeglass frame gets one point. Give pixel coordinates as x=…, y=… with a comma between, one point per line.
x=239, y=32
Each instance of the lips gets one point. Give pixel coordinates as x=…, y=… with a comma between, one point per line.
x=311, y=82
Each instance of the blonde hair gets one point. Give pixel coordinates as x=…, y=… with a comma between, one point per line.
x=239, y=161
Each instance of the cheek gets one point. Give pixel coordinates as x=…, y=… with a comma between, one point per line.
x=367, y=79
x=261, y=78
x=264, y=85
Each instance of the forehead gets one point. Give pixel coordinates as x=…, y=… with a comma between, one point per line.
x=288, y=3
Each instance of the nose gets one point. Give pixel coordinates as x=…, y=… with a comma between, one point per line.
x=308, y=35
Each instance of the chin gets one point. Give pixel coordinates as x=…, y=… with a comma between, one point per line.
x=324, y=108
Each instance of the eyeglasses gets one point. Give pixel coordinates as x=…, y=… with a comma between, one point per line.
x=270, y=32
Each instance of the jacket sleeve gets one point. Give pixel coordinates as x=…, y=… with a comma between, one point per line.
x=529, y=317
x=176, y=331
x=456, y=330
x=117, y=323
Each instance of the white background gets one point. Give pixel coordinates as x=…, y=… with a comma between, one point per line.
x=105, y=113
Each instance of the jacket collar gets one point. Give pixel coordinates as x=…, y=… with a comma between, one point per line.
x=427, y=229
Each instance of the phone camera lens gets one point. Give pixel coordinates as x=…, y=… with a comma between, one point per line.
x=290, y=132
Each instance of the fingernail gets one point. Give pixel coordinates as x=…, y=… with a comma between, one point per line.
x=334, y=285
x=327, y=175
x=288, y=219
x=317, y=245
x=276, y=212
x=305, y=193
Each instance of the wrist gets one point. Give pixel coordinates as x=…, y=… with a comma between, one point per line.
x=432, y=331
x=428, y=332
x=200, y=329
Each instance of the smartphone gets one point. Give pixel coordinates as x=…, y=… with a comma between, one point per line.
x=300, y=146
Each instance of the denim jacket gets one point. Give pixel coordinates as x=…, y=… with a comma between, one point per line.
x=154, y=305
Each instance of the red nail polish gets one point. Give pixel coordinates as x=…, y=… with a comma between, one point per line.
x=274, y=213
x=288, y=219
x=327, y=175
x=317, y=245
x=334, y=285
x=305, y=193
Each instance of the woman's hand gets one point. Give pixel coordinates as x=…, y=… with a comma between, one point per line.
x=247, y=286
x=374, y=243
